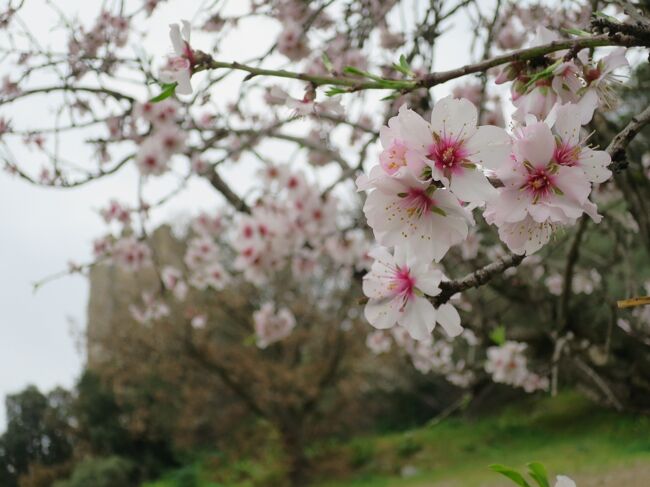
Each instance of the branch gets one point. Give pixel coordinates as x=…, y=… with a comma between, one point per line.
x=476, y=278
x=205, y=61
x=529, y=53
x=220, y=185
x=569, y=271
x=84, y=89
x=619, y=143
x=600, y=383
x=225, y=375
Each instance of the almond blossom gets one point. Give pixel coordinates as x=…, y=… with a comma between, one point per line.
x=396, y=287
x=570, y=150
x=131, y=254
x=271, y=327
x=601, y=81
x=172, y=279
x=454, y=148
x=378, y=342
x=539, y=193
x=507, y=364
x=406, y=212
x=178, y=68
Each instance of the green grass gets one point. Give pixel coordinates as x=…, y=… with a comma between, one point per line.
x=566, y=433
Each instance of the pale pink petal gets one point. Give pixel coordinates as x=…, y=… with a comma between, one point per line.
x=419, y=318
x=537, y=146
x=382, y=313
x=454, y=117
x=472, y=186
x=177, y=40
x=568, y=123
x=594, y=164
x=490, y=147
x=449, y=319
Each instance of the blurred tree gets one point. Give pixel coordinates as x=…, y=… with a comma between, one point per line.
x=38, y=431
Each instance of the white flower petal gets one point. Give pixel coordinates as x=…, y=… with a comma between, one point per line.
x=449, y=319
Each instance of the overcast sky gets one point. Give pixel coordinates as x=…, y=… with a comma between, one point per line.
x=43, y=229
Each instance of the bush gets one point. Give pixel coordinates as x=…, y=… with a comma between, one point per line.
x=101, y=472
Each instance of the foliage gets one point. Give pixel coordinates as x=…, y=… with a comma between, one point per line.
x=566, y=433
x=38, y=432
x=101, y=472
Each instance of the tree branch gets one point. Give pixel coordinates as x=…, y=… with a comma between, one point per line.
x=529, y=53
x=353, y=83
x=476, y=278
x=619, y=143
x=220, y=185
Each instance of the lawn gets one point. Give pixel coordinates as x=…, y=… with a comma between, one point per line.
x=567, y=433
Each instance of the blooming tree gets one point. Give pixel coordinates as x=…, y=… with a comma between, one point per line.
x=454, y=180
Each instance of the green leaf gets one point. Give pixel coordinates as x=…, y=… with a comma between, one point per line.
x=403, y=62
x=576, y=32
x=354, y=71
x=392, y=96
x=538, y=472
x=167, y=90
x=327, y=63
x=498, y=335
x=439, y=211
x=603, y=15
x=334, y=91
x=513, y=475
x=403, y=66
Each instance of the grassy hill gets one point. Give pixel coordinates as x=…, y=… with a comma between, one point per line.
x=568, y=434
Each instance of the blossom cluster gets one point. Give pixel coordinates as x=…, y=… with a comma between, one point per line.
x=440, y=356
x=292, y=222
x=507, y=364
x=432, y=175
x=164, y=136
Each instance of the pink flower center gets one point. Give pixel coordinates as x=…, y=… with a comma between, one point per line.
x=540, y=183
x=417, y=202
x=394, y=157
x=448, y=155
x=178, y=63
x=565, y=155
x=403, y=283
x=189, y=54
x=592, y=75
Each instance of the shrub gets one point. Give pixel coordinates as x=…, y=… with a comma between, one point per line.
x=101, y=472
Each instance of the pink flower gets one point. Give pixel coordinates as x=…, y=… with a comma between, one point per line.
x=454, y=148
x=396, y=287
x=131, y=254
x=537, y=102
x=378, y=342
x=178, y=68
x=293, y=42
x=271, y=327
x=406, y=212
x=507, y=363
x=535, y=185
x=151, y=159
x=172, y=279
x=570, y=150
x=601, y=81
x=116, y=212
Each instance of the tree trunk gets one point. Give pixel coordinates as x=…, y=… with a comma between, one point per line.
x=292, y=440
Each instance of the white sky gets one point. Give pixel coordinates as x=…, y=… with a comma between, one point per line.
x=42, y=229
